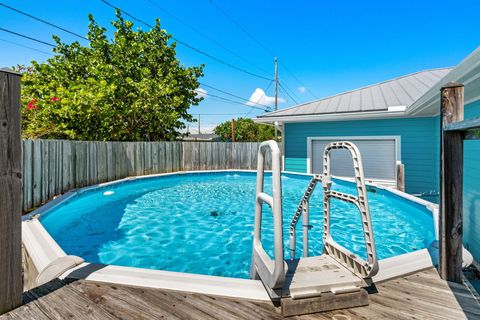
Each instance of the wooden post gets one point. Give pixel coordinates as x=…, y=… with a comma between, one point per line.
x=400, y=176
x=10, y=192
x=233, y=130
x=451, y=184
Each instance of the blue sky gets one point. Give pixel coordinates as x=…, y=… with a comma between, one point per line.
x=330, y=46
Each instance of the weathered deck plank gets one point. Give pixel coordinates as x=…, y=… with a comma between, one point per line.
x=60, y=301
x=422, y=295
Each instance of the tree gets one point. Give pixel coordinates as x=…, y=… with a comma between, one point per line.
x=131, y=88
x=245, y=130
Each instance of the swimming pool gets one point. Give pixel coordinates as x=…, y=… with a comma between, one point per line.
x=203, y=222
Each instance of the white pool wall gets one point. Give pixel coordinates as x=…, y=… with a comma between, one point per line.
x=43, y=250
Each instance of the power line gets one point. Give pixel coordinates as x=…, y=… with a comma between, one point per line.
x=291, y=91
x=27, y=37
x=259, y=43
x=298, y=80
x=43, y=21
x=286, y=92
x=237, y=102
x=241, y=28
x=24, y=46
x=221, y=99
x=231, y=94
x=219, y=44
x=189, y=46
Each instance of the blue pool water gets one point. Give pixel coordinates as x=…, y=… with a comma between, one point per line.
x=203, y=223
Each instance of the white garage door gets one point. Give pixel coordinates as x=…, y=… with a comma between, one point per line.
x=379, y=158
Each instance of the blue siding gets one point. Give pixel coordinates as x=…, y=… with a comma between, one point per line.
x=471, y=185
x=419, y=145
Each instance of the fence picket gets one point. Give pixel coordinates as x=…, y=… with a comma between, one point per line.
x=37, y=173
x=27, y=178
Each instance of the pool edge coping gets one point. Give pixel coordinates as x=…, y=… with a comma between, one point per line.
x=43, y=249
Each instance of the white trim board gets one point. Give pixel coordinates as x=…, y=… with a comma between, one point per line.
x=342, y=116
x=396, y=138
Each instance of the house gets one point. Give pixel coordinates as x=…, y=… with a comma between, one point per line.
x=376, y=118
x=396, y=121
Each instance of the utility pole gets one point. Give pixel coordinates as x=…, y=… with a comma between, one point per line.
x=198, y=123
x=233, y=130
x=276, y=92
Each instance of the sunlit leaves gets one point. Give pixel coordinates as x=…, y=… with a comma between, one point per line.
x=245, y=130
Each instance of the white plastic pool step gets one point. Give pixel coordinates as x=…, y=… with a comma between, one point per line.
x=313, y=276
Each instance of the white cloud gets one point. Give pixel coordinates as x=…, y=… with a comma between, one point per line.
x=259, y=97
x=301, y=89
x=201, y=93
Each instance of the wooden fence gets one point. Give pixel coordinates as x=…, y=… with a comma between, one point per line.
x=220, y=155
x=52, y=167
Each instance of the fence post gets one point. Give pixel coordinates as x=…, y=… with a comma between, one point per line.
x=400, y=176
x=10, y=192
x=451, y=184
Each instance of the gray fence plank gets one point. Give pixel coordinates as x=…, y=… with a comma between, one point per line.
x=51, y=168
x=44, y=147
x=162, y=157
x=67, y=166
x=102, y=167
x=58, y=170
x=27, y=177
x=176, y=156
x=109, y=161
x=155, y=157
x=147, y=158
x=139, y=150
x=37, y=174
x=185, y=151
x=169, y=156
x=196, y=156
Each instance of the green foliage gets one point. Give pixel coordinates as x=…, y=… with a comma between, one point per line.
x=130, y=88
x=245, y=130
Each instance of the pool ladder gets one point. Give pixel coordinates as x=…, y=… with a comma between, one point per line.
x=337, y=270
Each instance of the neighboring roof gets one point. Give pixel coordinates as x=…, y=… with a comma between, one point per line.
x=201, y=137
x=466, y=72
x=400, y=92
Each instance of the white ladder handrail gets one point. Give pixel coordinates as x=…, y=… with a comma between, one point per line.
x=303, y=211
x=364, y=269
x=272, y=273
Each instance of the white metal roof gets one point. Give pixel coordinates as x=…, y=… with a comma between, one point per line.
x=397, y=94
x=466, y=72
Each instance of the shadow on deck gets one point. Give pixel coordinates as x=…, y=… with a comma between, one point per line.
x=420, y=295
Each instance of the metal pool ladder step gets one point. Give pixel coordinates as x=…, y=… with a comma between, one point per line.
x=337, y=278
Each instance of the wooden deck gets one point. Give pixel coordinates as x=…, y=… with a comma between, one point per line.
x=419, y=296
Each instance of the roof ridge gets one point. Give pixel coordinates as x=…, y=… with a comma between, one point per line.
x=357, y=89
